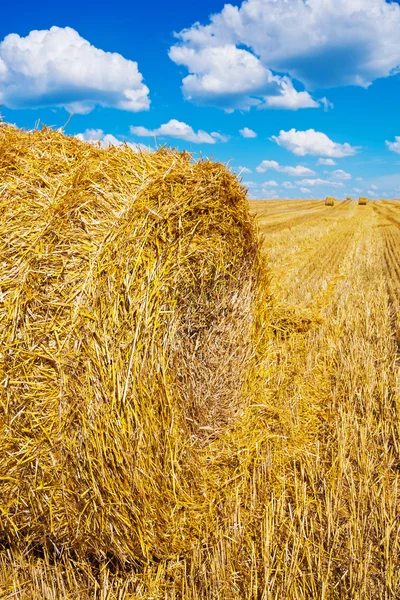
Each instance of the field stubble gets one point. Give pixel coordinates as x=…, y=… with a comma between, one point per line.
x=303, y=488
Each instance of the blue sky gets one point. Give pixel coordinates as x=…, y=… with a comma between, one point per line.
x=300, y=96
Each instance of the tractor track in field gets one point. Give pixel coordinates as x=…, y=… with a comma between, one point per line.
x=324, y=264
x=276, y=208
x=328, y=258
x=390, y=232
x=294, y=221
x=392, y=267
x=389, y=213
x=307, y=216
x=303, y=207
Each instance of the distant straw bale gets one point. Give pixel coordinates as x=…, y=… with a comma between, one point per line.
x=329, y=201
x=362, y=201
x=133, y=302
x=348, y=198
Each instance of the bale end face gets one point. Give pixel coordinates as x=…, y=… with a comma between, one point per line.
x=329, y=201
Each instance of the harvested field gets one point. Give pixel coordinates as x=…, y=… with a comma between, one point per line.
x=292, y=494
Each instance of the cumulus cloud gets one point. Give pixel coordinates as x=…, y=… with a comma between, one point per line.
x=314, y=182
x=247, y=133
x=268, y=194
x=233, y=78
x=243, y=170
x=394, y=146
x=180, y=131
x=288, y=185
x=358, y=190
x=305, y=190
x=57, y=67
x=320, y=43
x=289, y=98
x=372, y=193
x=224, y=76
x=250, y=184
x=219, y=137
x=340, y=174
x=270, y=183
x=105, y=140
x=298, y=171
x=312, y=142
x=326, y=161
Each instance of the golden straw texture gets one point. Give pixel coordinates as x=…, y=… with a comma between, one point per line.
x=133, y=302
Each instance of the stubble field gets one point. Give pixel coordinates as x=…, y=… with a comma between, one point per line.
x=310, y=509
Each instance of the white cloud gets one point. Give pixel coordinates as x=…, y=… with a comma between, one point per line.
x=326, y=161
x=269, y=194
x=374, y=187
x=314, y=182
x=358, y=190
x=250, y=184
x=270, y=183
x=290, y=98
x=105, y=140
x=359, y=179
x=247, y=133
x=340, y=174
x=321, y=43
x=305, y=190
x=243, y=170
x=326, y=104
x=288, y=185
x=298, y=171
x=57, y=67
x=312, y=142
x=372, y=193
x=297, y=37
x=224, y=76
x=394, y=146
x=233, y=78
x=181, y=131
x=219, y=137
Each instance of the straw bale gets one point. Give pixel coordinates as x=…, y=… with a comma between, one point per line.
x=131, y=289
x=362, y=200
x=329, y=201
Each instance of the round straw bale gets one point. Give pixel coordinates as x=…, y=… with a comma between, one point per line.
x=131, y=285
x=329, y=201
x=362, y=200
